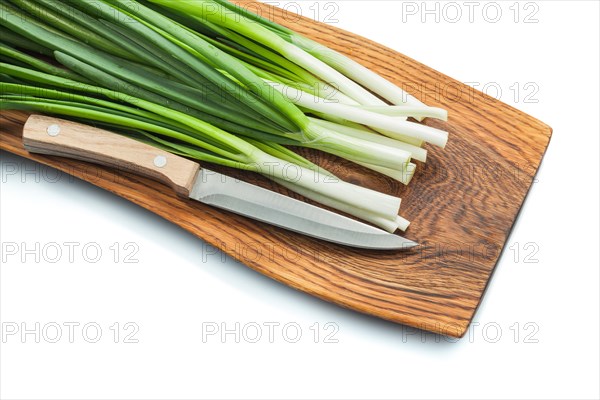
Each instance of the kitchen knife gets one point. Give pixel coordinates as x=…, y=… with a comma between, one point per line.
x=47, y=135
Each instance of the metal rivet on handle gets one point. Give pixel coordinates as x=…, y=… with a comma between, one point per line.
x=53, y=130
x=160, y=161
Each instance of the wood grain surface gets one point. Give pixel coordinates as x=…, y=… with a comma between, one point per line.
x=463, y=202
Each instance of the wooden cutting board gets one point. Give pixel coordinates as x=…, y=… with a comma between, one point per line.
x=463, y=203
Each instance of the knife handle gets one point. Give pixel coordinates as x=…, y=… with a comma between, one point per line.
x=53, y=136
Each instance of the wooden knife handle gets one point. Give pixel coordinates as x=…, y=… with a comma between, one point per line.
x=53, y=136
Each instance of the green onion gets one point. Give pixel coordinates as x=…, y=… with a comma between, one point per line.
x=60, y=22
x=393, y=126
x=355, y=71
x=194, y=78
x=20, y=42
x=36, y=63
x=361, y=202
x=215, y=13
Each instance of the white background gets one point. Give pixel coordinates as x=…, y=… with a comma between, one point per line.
x=546, y=312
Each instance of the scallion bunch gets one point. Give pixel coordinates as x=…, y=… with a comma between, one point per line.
x=209, y=80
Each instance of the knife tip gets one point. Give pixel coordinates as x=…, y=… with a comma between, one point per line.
x=399, y=243
x=410, y=245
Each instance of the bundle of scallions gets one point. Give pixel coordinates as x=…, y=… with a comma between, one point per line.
x=208, y=80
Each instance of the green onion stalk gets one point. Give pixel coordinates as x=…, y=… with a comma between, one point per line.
x=217, y=146
x=219, y=15
x=194, y=78
x=210, y=12
x=274, y=114
x=355, y=71
x=313, y=135
x=324, y=62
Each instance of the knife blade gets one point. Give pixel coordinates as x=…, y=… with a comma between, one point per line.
x=53, y=136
